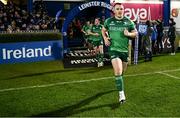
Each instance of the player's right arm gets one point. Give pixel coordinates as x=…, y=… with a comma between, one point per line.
x=90, y=32
x=83, y=30
x=105, y=36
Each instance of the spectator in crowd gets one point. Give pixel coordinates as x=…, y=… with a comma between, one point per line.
x=15, y=18
x=147, y=44
x=172, y=34
x=154, y=37
x=159, y=36
x=2, y=27
x=77, y=29
x=140, y=46
x=70, y=32
x=9, y=29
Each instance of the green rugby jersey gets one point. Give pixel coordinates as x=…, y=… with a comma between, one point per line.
x=96, y=29
x=86, y=28
x=115, y=27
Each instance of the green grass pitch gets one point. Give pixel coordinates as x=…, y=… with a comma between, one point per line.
x=47, y=89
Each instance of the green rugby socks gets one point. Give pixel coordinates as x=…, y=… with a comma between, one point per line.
x=99, y=57
x=119, y=83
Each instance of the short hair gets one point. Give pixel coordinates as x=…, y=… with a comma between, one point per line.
x=148, y=23
x=97, y=18
x=117, y=3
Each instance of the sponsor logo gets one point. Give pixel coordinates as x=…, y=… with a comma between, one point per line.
x=125, y=23
x=166, y=43
x=78, y=54
x=116, y=28
x=87, y=61
x=112, y=23
x=82, y=58
x=118, y=21
x=83, y=61
x=24, y=52
x=134, y=13
x=143, y=11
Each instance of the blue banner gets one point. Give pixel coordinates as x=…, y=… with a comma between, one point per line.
x=31, y=51
x=166, y=9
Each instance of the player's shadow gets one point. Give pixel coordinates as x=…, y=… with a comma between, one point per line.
x=38, y=74
x=77, y=108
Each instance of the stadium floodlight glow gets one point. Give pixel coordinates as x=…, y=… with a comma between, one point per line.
x=4, y=2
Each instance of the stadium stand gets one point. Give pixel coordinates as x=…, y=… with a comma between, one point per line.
x=13, y=18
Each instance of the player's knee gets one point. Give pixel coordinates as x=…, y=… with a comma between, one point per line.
x=118, y=73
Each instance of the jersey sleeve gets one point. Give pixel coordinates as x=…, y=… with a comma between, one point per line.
x=131, y=26
x=83, y=28
x=106, y=24
x=91, y=28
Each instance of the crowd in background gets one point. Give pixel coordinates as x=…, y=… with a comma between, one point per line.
x=151, y=42
x=16, y=18
x=74, y=30
x=75, y=27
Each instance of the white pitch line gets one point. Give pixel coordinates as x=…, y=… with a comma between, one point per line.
x=82, y=81
x=170, y=70
x=172, y=76
x=153, y=73
x=54, y=84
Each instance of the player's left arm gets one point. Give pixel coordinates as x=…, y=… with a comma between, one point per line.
x=131, y=31
x=131, y=34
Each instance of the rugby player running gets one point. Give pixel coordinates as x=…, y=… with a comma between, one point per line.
x=116, y=32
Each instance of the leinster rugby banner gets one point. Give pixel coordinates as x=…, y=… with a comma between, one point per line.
x=30, y=51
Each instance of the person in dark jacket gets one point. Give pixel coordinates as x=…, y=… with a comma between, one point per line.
x=159, y=36
x=172, y=34
x=154, y=37
x=147, y=43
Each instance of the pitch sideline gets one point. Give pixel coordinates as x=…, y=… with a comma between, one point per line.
x=97, y=79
